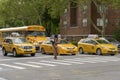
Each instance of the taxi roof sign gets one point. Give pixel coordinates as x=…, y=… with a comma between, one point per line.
x=93, y=36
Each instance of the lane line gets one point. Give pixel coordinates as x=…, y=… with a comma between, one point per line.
x=89, y=61
x=56, y=62
x=69, y=61
x=24, y=64
x=12, y=66
x=1, y=68
x=2, y=78
x=24, y=58
x=42, y=63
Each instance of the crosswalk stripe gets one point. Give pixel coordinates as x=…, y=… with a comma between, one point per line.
x=24, y=64
x=1, y=68
x=56, y=62
x=108, y=59
x=42, y=63
x=17, y=67
x=90, y=61
x=96, y=58
x=2, y=78
x=69, y=61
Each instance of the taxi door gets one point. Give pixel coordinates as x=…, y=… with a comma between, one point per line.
x=91, y=46
x=49, y=47
x=9, y=45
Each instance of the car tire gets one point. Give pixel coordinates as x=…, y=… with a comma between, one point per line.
x=42, y=51
x=81, y=51
x=73, y=54
x=98, y=52
x=4, y=52
x=33, y=54
x=112, y=54
x=15, y=53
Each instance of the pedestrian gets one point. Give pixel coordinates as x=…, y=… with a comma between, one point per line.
x=54, y=43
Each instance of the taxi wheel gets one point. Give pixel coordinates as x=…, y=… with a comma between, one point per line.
x=4, y=52
x=73, y=54
x=42, y=51
x=33, y=54
x=112, y=54
x=98, y=52
x=14, y=53
x=81, y=51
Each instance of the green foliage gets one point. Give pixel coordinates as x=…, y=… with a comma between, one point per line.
x=39, y=12
x=74, y=43
x=116, y=34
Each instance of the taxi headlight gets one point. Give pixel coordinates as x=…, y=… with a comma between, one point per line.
x=36, y=43
x=63, y=47
x=74, y=47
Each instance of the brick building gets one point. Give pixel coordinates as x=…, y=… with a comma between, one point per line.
x=78, y=22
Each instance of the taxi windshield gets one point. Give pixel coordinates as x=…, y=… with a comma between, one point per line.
x=112, y=40
x=19, y=40
x=102, y=41
x=64, y=42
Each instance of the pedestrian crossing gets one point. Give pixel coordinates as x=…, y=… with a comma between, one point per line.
x=53, y=63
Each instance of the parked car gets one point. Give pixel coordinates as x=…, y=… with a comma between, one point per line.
x=97, y=46
x=17, y=46
x=64, y=47
x=113, y=41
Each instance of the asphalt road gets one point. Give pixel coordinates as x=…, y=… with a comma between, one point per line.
x=67, y=67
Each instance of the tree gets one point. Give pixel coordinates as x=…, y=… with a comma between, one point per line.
x=28, y=12
x=59, y=6
x=45, y=12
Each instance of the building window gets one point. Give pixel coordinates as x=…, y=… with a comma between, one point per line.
x=84, y=22
x=65, y=18
x=84, y=9
x=100, y=22
x=102, y=9
x=73, y=14
x=64, y=23
x=117, y=22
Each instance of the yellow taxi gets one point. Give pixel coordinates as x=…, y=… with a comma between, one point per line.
x=97, y=46
x=17, y=46
x=64, y=47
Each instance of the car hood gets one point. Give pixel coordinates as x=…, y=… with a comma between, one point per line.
x=66, y=45
x=108, y=45
x=24, y=44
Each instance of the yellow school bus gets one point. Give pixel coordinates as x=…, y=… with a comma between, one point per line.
x=34, y=33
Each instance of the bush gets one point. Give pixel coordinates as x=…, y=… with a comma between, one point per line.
x=74, y=43
x=116, y=34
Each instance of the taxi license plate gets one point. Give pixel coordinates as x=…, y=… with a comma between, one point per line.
x=27, y=49
x=71, y=50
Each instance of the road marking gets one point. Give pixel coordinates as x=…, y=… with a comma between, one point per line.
x=42, y=63
x=69, y=61
x=1, y=68
x=2, y=78
x=94, y=60
x=17, y=67
x=24, y=58
x=56, y=62
x=24, y=64
x=89, y=61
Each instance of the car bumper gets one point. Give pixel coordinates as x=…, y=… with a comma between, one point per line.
x=23, y=51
